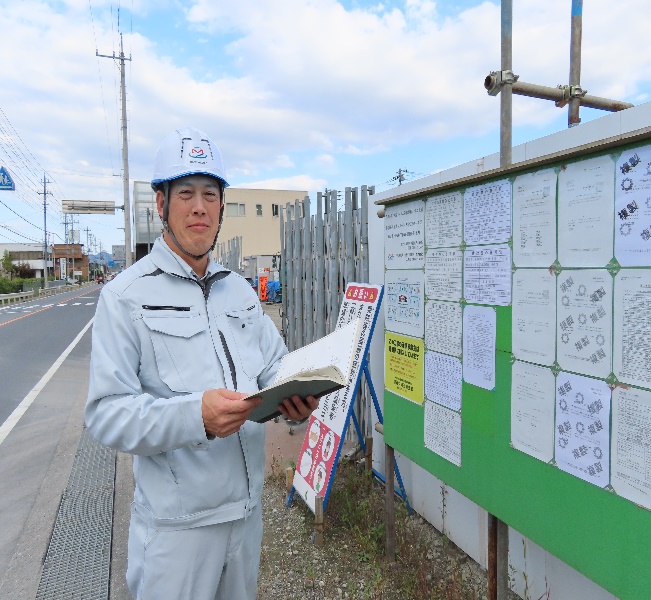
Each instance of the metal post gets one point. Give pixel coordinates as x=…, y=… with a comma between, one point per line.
x=288, y=292
x=45, y=282
x=506, y=94
x=333, y=262
x=575, y=61
x=308, y=290
x=498, y=544
x=125, y=163
x=389, y=507
x=349, y=241
x=320, y=268
x=364, y=236
x=282, y=272
x=298, y=277
x=125, y=153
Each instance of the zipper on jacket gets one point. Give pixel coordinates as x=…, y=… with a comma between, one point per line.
x=206, y=292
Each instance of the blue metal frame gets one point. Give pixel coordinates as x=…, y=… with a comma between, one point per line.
x=401, y=493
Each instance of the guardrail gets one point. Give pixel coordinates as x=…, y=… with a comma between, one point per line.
x=15, y=297
x=22, y=296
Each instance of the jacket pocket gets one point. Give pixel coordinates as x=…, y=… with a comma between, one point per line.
x=246, y=329
x=181, y=342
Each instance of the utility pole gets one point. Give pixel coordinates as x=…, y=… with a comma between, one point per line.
x=45, y=193
x=125, y=153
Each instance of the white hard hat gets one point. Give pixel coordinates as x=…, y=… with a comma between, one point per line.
x=188, y=151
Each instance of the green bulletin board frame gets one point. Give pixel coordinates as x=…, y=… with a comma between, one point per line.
x=600, y=534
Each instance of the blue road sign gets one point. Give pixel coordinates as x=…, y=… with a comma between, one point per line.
x=6, y=182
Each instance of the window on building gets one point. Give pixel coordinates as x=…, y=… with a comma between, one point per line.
x=274, y=210
x=258, y=210
x=233, y=209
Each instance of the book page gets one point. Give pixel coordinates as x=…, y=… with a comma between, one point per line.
x=532, y=410
x=633, y=208
x=631, y=445
x=334, y=349
x=584, y=313
x=534, y=316
x=443, y=269
x=404, y=302
x=443, y=432
x=443, y=379
x=487, y=213
x=487, y=275
x=404, y=237
x=443, y=224
x=585, y=212
x=443, y=322
x=582, y=431
x=479, y=335
x=534, y=219
x=632, y=327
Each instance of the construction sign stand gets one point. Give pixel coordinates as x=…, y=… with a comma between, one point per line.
x=319, y=454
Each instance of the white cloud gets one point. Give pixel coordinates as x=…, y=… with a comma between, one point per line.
x=297, y=182
x=304, y=85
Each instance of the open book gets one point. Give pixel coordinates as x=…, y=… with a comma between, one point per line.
x=315, y=370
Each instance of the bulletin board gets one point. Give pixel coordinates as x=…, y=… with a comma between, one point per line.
x=518, y=351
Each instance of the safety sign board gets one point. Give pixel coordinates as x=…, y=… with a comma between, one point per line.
x=6, y=182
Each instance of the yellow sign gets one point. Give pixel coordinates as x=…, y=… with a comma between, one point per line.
x=405, y=357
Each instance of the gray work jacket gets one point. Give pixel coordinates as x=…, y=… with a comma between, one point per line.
x=161, y=337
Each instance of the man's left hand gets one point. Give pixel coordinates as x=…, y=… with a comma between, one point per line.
x=297, y=408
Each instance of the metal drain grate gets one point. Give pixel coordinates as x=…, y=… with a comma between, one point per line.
x=77, y=563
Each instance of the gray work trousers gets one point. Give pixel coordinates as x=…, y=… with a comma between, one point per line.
x=212, y=562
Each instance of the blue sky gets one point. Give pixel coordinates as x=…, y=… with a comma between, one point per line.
x=298, y=94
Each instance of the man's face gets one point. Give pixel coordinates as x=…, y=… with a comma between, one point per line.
x=195, y=202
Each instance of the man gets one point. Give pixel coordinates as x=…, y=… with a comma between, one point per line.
x=178, y=341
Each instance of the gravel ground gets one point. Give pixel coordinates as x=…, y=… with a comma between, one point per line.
x=292, y=567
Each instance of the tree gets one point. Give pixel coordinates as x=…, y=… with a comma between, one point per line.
x=7, y=265
x=24, y=270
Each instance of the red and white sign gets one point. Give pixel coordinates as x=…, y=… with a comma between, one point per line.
x=317, y=460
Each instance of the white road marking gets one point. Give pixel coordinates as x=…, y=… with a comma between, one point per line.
x=21, y=409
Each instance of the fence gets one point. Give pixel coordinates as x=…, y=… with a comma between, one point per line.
x=229, y=254
x=320, y=254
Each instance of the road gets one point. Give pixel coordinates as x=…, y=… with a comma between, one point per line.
x=37, y=446
x=33, y=335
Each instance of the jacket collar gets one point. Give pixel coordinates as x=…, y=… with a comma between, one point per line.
x=170, y=262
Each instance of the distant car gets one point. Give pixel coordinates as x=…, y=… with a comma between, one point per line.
x=100, y=279
x=251, y=283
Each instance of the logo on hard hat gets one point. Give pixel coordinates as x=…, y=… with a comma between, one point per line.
x=198, y=152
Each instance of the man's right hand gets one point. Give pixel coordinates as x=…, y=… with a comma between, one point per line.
x=224, y=411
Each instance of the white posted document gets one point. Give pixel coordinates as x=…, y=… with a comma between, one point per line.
x=443, y=225
x=443, y=274
x=404, y=302
x=404, y=235
x=632, y=327
x=532, y=410
x=443, y=432
x=633, y=208
x=586, y=200
x=487, y=275
x=443, y=379
x=479, y=335
x=631, y=445
x=534, y=316
x=443, y=327
x=584, y=315
x=582, y=432
x=487, y=213
x=534, y=219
